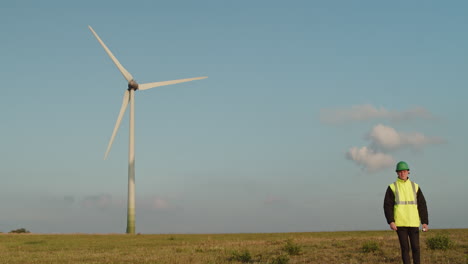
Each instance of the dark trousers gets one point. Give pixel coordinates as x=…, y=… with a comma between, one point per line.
x=413, y=234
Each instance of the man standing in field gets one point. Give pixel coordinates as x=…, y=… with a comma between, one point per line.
x=405, y=208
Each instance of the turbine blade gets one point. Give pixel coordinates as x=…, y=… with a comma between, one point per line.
x=146, y=86
x=119, y=120
x=124, y=72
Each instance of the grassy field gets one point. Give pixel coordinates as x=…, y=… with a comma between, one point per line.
x=318, y=247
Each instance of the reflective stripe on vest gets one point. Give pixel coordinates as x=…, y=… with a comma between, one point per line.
x=397, y=195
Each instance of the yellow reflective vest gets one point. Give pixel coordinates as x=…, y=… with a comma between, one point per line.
x=406, y=204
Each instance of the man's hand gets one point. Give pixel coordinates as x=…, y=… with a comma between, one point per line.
x=425, y=228
x=393, y=226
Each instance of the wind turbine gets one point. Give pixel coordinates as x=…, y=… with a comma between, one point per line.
x=129, y=96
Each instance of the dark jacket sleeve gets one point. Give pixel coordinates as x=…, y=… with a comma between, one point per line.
x=422, y=208
x=388, y=205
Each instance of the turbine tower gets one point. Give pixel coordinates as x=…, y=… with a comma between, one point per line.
x=129, y=97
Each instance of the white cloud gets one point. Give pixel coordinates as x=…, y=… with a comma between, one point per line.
x=69, y=199
x=273, y=200
x=153, y=203
x=368, y=112
x=384, y=139
x=144, y=203
x=414, y=113
x=102, y=201
x=387, y=138
x=418, y=140
x=369, y=159
x=159, y=203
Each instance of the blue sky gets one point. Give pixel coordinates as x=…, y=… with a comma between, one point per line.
x=307, y=108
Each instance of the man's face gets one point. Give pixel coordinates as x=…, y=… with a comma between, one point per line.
x=403, y=174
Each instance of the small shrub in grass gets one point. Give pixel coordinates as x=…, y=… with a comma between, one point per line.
x=370, y=246
x=439, y=242
x=20, y=231
x=292, y=248
x=243, y=256
x=281, y=259
x=338, y=244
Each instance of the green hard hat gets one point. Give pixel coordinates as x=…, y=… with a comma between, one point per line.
x=402, y=166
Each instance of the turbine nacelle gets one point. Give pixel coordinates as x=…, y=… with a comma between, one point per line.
x=132, y=85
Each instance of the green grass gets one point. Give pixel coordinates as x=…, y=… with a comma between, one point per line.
x=317, y=247
x=439, y=241
x=292, y=248
x=370, y=246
